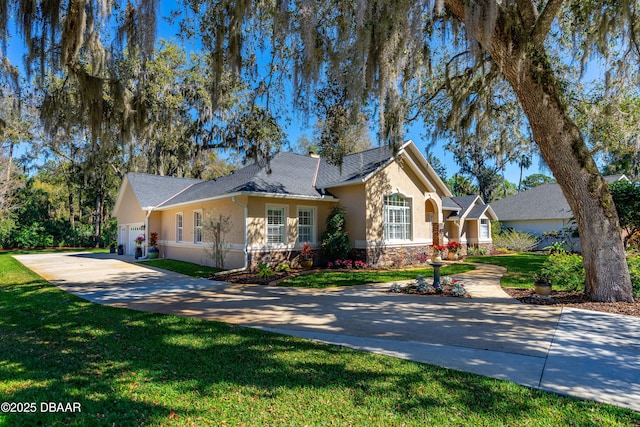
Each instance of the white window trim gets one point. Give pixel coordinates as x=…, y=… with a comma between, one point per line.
x=314, y=225
x=411, y=217
x=196, y=242
x=285, y=228
x=181, y=228
x=481, y=238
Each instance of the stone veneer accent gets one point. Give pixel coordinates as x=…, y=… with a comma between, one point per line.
x=396, y=256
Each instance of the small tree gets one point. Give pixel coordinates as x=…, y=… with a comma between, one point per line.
x=335, y=242
x=215, y=229
x=626, y=197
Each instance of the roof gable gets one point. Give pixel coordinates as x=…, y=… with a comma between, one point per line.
x=152, y=190
x=359, y=167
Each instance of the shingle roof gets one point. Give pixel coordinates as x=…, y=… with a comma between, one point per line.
x=152, y=190
x=449, y=204
x=543, y=202
x=355, y=167
x=292, y=174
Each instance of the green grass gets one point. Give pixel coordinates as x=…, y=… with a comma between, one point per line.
x=129, y=368
x=520, y=267
x=330, y=279
x=182, y=267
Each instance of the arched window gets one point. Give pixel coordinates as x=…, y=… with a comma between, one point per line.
x=397, y=218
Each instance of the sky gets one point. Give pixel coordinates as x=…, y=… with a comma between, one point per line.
x=296, y=127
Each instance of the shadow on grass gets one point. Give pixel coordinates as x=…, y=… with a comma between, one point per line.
x=134, y=368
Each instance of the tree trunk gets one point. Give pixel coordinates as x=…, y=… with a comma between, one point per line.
x=97, y=221
x=71, y=209
x=522, y=60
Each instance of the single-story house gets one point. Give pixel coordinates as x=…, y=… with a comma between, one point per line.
x=542, y=210
x=396, y=206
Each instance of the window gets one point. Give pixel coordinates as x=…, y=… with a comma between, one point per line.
x=305, y=225
x=397, y=218
x=179, y=227
x=484, y=228
x=197, y=227
x=275, y=225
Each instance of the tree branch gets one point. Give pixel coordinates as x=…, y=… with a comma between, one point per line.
x=528, y=13
x=543, y=24
x=456, y=7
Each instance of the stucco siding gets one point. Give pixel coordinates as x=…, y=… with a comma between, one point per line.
x=353, y=199
x=396, y=179
x=130, y=211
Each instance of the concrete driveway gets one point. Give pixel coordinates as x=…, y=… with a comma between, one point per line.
x=576, y=352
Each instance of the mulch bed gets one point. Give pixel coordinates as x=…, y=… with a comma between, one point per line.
x=576, y=300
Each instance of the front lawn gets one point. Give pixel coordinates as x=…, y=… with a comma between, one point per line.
x=328, y=279
x=520, y=267
x=129, y=368
x=182, y=267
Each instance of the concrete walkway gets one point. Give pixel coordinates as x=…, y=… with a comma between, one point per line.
x=580, y=353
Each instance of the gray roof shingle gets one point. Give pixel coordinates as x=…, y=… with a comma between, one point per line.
x=152, y=190
x=355, y=167
x=543, y=202
x=292, y=174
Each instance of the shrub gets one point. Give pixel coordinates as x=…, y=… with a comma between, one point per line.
x=565, y=271
x=264, y=271
x=474, y=251
x=634, y=271
x=516, y=241
x=283, y=267
x=335, y=242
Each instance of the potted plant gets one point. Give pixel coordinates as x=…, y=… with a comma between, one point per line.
x=437, y=252
x=120, y=249
x=306, y=255
x=112, y=244
x=542, y=284
x=139, y=242
x=454, y=249
x=153, y=251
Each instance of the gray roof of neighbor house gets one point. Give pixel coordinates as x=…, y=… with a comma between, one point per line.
x=543, y=202
x=152, y=190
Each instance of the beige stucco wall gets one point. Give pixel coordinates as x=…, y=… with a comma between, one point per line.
x=130, y=211
x=398, y=179
x=353, y=200
x=188, y=250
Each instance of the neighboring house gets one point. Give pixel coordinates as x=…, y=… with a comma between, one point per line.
x=541, y=210
x=396, y=206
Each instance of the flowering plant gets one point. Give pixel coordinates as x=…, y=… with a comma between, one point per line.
x=438, y=249
x=457, y=289
x=306, y=254
x=359, y=265
x=153, y=239
x=454, y=247
x=140, y=240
